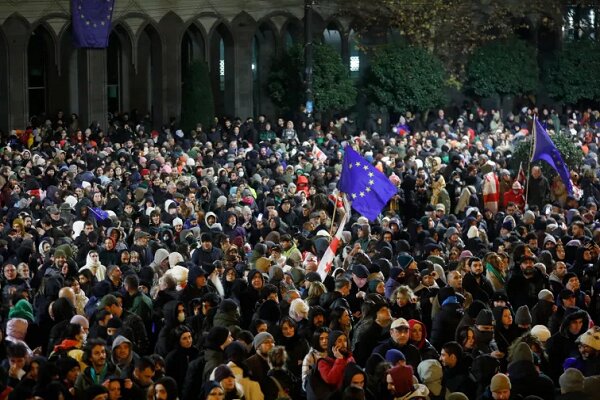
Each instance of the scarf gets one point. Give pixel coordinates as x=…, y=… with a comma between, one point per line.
x=494, y=271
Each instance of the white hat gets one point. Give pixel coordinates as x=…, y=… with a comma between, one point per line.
x=541, y=332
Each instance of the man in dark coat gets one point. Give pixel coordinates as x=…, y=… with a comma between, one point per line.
x=456, y=369
x=399, y=340
x=206, y=254
x=525, y=283
x=538, y=188
x=476, y=283
x=563, y=343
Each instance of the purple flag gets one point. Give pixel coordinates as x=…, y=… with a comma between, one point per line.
x=545, y=149
x=91, y=22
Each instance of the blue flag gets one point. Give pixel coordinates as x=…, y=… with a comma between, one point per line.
x=544, y=149
x=91, y=22
x=365, y=186
x=99, y=213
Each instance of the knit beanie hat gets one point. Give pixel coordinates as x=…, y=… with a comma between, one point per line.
x=571, y=381
x=522, y=353
x=457, y=396
x=591, y=338
x=223, y=372
x=217, y=335
x=545, y=294
x=484, y=317
x=402, y=377
x=523, y=316
x=499, y=382
x=261, y=338
x=404, y=260
x=373, y=283
x=541, y=332
x=393, y=356
x=22, y=309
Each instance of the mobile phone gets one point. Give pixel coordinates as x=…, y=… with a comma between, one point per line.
x=260, y=217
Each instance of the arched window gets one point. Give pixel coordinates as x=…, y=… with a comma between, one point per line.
x=114, y=74
x=37, y=73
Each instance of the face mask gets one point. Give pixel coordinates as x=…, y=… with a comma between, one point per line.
x=484, y=337
x=181, y=317
x=529, y=271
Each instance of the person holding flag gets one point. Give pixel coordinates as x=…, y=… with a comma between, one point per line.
x=538, y=187
x=366, y=190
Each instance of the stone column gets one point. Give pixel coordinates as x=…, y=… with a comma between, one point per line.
x=243, y=33
x=92, y=87
x=172, y=32
x=17, y=35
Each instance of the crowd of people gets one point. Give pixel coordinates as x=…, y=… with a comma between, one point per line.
x=168, y=264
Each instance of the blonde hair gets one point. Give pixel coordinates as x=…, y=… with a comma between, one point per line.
x=402, y=291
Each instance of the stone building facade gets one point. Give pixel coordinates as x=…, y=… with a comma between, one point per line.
x=151, y=43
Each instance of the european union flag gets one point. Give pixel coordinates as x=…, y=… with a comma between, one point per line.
x=99, y=213
x=91, y=22
x=545, y=149
x=367, y=188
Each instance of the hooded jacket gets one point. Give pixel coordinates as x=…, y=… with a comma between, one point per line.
x=562, y=344
x=166, y=342
x=122, y=364
x=427, y=351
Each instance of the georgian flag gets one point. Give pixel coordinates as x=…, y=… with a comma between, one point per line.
x=318, y=153
x=326, y=262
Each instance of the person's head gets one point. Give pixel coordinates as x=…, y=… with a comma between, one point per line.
x=212, y=390
x=500, y=387
x=277, y=357
x=95, y=353
x=143, y=371
x=343, y=285
x=589, y=343
x=338, y=340
x=263, y=343
x=451, y=354
x=526, y=265
x=320, y=339
x=165, y=388
x=400, y=331
x=224, y=375
x=560, y=269
x=402, y=296
x=575, y=326
x=17, y=355
x=571, y=281
x=114, y=388
x=184, y=336
x=476, y=266
x=454, y=279
x=288, y=327
x=10, y=272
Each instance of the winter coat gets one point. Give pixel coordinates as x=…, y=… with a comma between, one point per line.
x=526, y=380
x=177, y=362
x=523, y=291
x=562, y=344
x=296, y=348
x=413, y=357
x=482, y=290
x=166, y=342
x=444, y=324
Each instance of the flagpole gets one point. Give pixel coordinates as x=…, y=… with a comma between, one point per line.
x=333, y=216
x=534, y=133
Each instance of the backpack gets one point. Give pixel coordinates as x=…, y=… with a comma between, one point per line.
x=281, y=393
x=316, y=387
